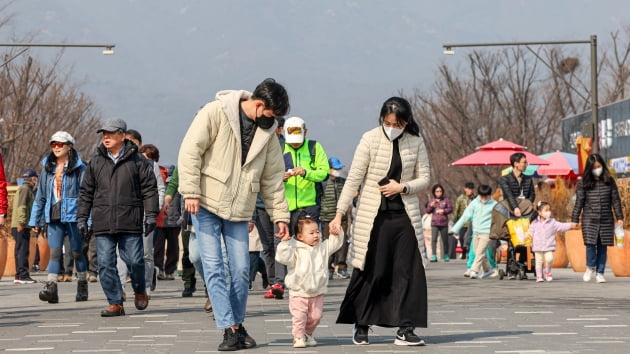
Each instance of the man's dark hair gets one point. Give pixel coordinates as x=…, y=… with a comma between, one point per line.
x=273, y=95
x=134, y=134
x=484, y=190
x=469, y=185
x=151, y=151
x=516, y=157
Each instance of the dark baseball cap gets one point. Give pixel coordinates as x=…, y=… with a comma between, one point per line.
x=113, y=125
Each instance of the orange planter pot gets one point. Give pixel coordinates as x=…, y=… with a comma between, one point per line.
x=619, y=258
x=44, y=252
x=9, y=268
x=560, y=259
x=576, y=251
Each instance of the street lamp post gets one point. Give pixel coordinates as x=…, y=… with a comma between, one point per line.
x=108, y=49
x=448, y=49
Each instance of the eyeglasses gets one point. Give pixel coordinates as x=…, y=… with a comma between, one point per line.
x=56, y=144
x=294, y=130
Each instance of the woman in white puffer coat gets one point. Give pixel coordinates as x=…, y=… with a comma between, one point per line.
x=388, y=284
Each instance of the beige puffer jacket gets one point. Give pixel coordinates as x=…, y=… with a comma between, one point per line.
x=209, y=163
x=370, y=164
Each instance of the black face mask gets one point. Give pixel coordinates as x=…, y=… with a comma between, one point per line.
x=265, y=122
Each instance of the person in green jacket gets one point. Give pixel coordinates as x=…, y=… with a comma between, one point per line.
x=306, y=166
x=22, y=205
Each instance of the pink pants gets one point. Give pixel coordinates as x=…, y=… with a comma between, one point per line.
x=306, y=312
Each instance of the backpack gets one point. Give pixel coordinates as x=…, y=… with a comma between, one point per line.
x=319, y=186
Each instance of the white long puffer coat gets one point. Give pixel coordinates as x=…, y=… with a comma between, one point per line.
x=370, y=164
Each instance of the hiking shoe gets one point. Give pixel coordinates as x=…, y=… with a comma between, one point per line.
x=245, y=341
x=49, y=293
x=588, y=274
x=67, y=278
x=188, y=292
x=269, y=294
x=169, y=277
x=113, y=311
x=433, y=258
x=277, y=290
x=82, y=290
x=405, y=336
x=467, y=273
x=230, y=340
x=161, y=276
x=343, y=274
x=600, y=278
x=26, y=280
x=92, y=278
x=360, y=335
x=474, y=275
x=548, y=276
x=35, y=268
x=141, y=300
x=299, y=343
x=309, y=340
x=446, y=258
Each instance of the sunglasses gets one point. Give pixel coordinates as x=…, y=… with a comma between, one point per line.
x=294, y=130
x=56, y=144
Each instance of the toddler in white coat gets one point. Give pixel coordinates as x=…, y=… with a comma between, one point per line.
x=306, y=258
x=543, y=230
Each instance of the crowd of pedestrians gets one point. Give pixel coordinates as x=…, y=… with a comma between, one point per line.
x=252, y=194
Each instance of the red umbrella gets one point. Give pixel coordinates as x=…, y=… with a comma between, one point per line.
x=560, y=164
x=497, y=153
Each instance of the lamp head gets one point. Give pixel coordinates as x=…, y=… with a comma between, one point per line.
x=108, y=51
x=449, y=51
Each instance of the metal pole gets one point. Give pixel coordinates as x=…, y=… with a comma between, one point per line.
x=594, y=99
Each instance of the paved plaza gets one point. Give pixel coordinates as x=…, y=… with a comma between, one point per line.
x=465, y=316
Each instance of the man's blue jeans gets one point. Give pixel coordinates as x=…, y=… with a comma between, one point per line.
x=227, y=288
x=596, y=256
x=131, y=252
x=56, y=233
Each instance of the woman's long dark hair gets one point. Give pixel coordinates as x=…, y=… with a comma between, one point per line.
x=588, y=180
x=435, y=187
x=401, y=108
x=51, y=161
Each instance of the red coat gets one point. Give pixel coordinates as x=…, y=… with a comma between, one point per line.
x=3, y=190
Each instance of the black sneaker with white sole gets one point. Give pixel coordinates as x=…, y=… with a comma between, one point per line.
x=405, y=336
x=360, y=335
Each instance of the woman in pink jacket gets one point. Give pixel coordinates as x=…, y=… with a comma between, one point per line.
x=543, y=230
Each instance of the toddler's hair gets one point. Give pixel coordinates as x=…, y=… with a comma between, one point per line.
x=301, y=221
x=537, y=209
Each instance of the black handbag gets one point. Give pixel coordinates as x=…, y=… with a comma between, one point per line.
x=55, y=212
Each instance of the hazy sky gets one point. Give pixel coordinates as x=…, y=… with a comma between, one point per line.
x=338, y=59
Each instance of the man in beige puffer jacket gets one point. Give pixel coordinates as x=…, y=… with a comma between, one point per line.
x=229, y=154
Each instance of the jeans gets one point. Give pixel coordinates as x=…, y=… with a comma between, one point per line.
x=56, y=233
x=131, y=252
x=596, y=256
x=227, y=294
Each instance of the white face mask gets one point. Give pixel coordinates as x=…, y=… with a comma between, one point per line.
x=546, y=214
x=335, y=173
x=392, y=133
x=597, y=171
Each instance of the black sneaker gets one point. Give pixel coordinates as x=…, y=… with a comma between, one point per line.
x=360, y=335
x=245, y=341
x=188, y=292
x=405, y=336
x=230, y=340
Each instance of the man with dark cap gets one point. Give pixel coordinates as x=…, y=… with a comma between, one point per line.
x=22, y=205
x=120, y=189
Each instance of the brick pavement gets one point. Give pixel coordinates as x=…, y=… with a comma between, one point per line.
x=465, y=316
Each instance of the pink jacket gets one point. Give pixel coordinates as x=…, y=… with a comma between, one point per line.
x=544, y=233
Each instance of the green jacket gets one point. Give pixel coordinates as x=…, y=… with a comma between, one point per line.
x=460, y=205
x=22, y=205
x=301, y=191
x=330, y=198
x=173, y=184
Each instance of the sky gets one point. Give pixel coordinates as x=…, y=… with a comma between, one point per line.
x=339, y=60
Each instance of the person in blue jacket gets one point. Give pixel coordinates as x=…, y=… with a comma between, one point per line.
x=56, y=205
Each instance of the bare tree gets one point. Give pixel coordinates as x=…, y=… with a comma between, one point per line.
x=35, y=101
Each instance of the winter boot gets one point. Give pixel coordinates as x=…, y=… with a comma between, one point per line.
x=49, y=293
x=82, y=290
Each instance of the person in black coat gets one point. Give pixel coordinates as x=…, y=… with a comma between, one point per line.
x=596, y=198
x=119, y=189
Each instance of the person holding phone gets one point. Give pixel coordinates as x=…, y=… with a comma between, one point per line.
x=388, y=285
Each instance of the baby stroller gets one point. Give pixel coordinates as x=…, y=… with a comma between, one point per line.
x=514, y=231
